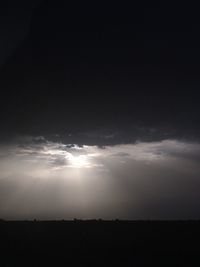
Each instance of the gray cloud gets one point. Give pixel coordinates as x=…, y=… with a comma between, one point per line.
x=144, y=180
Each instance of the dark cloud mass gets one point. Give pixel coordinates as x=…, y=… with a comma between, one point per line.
x=83, y=68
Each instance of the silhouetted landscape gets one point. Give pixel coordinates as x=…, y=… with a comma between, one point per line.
x=99, y=243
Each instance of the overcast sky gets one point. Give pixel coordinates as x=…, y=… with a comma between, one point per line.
x=99, y=110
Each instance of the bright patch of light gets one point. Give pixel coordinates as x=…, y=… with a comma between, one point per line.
x=80, y=161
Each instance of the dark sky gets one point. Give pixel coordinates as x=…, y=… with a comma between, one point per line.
x=78, y=67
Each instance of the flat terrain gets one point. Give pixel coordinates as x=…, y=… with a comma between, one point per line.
x=99, y=243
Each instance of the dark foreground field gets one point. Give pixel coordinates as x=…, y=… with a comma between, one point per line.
x=99, y=243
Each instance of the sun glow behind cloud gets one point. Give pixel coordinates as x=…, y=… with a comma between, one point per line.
x=44, y=179
x=80, y=161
